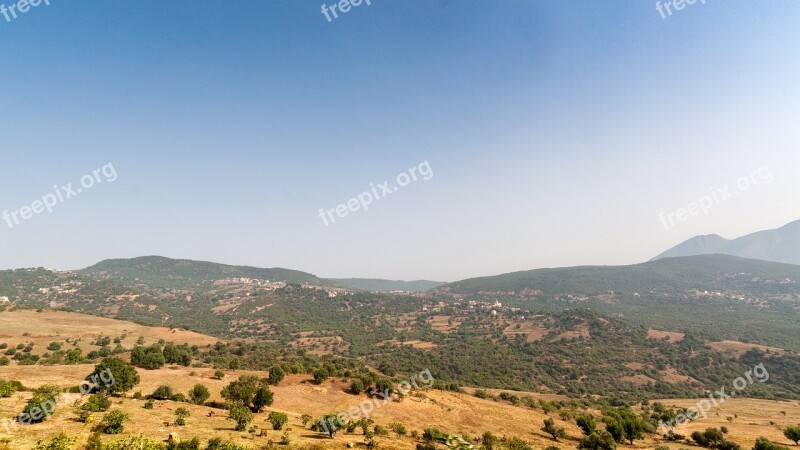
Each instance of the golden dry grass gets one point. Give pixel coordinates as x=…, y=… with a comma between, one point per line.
x=42, y=328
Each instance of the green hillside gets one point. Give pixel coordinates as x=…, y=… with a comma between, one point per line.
x=157, y=271
x=668, y=274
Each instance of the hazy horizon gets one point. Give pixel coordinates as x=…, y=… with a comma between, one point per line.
x=554, y=134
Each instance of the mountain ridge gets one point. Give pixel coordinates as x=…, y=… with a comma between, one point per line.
x=776, y=245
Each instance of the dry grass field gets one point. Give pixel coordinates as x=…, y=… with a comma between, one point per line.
x=42, y=328
x=457, y=413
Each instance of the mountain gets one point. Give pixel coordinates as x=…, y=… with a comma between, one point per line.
x=705, y=272
x=779, y=245
x=378, y=285
x=157, y=271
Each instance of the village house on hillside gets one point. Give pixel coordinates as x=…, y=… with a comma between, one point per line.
x=4, y=300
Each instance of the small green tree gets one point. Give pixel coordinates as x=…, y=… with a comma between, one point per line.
x=199, y=394
x=181, y=415
x=113, y=422
x=763, y=443
x=551, y=429
x=241, y=414
x=276, y=374
x=123, y=376
x=586, y=423
x=60, y=442
x=218, y=374
x=356, y=386
x=262, y=398
x=277, y=419
x=41, y=405
x=305, y=418
x=598, y=441
x=793, y=434
x=163, y=392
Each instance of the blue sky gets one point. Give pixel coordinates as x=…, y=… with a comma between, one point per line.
x=556, y=131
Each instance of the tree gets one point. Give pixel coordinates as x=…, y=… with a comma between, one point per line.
x=62, y=441
x=278, y=420
x=598, y=441
x=123, y=375
x=151, y=357
x=763, y=443
x=384, y=386
x=305, y=418
x=163, y=392
x=320, y=375
x=97, y=403
x=199, y=394
x=328, y=424
x=356, y=386
x=633, y=426
x=250, y=391
x=586, y=423
x=113, y=422
x=241, y=414
x=263, y=397
x=41, y=405
x=551, y=429
x=276, y=375
x=793, y=434
x=218, y=374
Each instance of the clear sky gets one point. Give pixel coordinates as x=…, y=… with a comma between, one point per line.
x=555, y=132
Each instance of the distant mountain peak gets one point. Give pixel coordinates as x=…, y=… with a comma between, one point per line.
x=778, y=245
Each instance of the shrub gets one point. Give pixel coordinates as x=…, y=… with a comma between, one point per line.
x=199, y=394
x=356, y=386
x=113, y=422
x=551, y=429
x=148, y=404
x=278, y=420
x=60, y=442
x=276, y=375
x=163, y=392
x=598, y=441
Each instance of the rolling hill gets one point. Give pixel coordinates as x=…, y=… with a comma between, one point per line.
x=157, y=271
x=671, y=274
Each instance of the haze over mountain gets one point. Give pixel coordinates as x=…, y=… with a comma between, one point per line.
x=779, y=245
x=378, y=285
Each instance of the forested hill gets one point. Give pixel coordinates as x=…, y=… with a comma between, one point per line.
x=706, y=272
x=157, y=271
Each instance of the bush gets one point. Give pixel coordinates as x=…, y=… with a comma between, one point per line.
x=148, y=404
x=163, y=392
x=598, y=441
x=42, y=404
x=113, y=422
x=97, y=403
x=241, y=414
x=60, y=442
x=551, y=429
x=276, y=375
x=278, y=420
x=356, y=386
x=199, y=394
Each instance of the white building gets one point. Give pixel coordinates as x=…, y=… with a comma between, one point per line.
x=4, y=300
